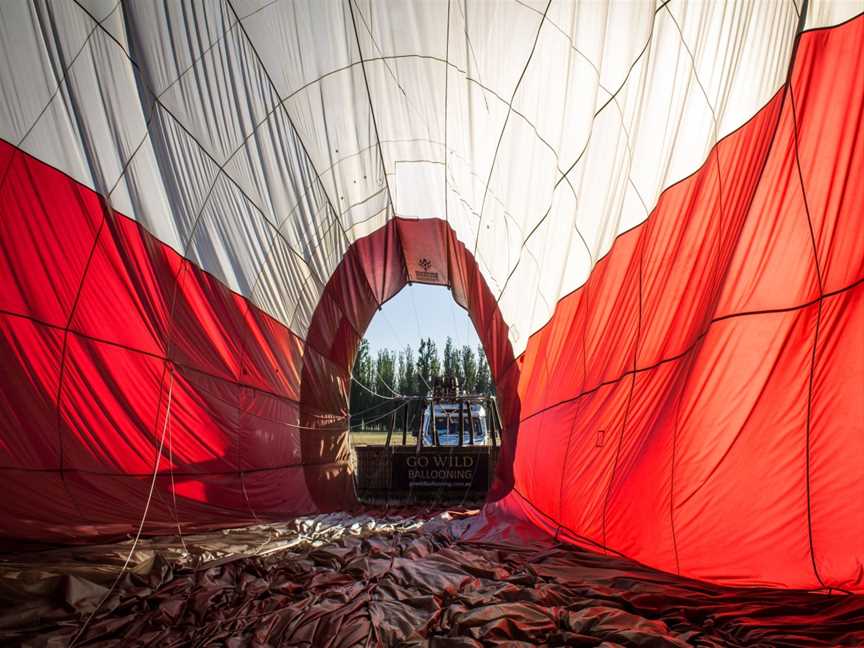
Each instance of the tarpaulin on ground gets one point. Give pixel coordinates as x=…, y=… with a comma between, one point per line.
x=386, y=580
x=651, y=210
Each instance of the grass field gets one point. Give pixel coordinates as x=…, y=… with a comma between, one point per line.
x=373, y=437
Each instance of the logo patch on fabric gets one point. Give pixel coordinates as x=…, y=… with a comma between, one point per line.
x=425, y=274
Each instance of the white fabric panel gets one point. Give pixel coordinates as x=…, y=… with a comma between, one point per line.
x=667, y=124
x=222, y=97
x=408, y=100
x=371, y=223
x=540, y=130
x=56, y=140
x=286, y=288
x=333, y=118
x=272, y=170
x=169, y=39
x=626, y=28
x=109, y=15
x=419, y=189
x=658, y=128
x=299, y=41
x=556, y=243
x=30, y=70
x=331, y=243
x=492, y=40
x=143, y=191
x=474, y=122
x=824, y=13
x=403, y=28
x=562, y=76
x=231, y=239
x=95, y=97
x=523, y=179
x=99, y=9
x=741, y=53
x=186, y=174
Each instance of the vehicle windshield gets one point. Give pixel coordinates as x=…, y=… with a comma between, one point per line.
x=447, y=426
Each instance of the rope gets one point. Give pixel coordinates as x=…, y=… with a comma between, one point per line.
x=378, y=418
x=173, y=486
x=374, y=393
x=111, y=589
x=387, y=385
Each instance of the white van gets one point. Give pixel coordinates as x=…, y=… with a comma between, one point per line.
x=447, y=425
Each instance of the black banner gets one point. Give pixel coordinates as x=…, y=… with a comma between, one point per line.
x=436, y=469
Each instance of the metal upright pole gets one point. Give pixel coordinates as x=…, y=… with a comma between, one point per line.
x=419, y=426
x=491, y=415
x=405, y=425
x=435, y=440
x=461, y=423
x=471, y=421
x=390, y=431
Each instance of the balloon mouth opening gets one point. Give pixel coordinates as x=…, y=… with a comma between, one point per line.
x=373, y=270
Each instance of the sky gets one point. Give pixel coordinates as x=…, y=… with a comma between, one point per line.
x=420, y=311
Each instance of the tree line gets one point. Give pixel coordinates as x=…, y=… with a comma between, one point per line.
x=395, y=373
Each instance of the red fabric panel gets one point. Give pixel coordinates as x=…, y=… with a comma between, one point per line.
x=381, y=258
x=483, y=310
x=836, y=441
x=696, y=405
x=269, y=436
x=356, y=298
x=38, y=508
x=108, y=402
x=130, y=285
x=743, y=456
x=595, y=423
x=272, y=354
x=325, y=322
x=693, y=277
x=129, y=302
x=204, y=427
x=112, y=504
x=324, y=388
x=45, y=238
x=424, y=248
x=291, y=494
x=830, y=112
x=766, y=271
x=30, y=362
x=207, y=331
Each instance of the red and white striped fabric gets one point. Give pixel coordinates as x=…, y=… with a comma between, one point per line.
x=652, y=211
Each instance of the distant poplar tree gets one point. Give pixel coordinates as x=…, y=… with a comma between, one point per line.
x=484, y=377
x=469, y=369
x=385, y=373
x=407, y=372
x=410, y=375
x=361, y=399
x=428, y=365
x=453, y=363
x=449, y=357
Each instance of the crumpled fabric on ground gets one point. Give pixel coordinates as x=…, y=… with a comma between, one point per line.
x=377, y=579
